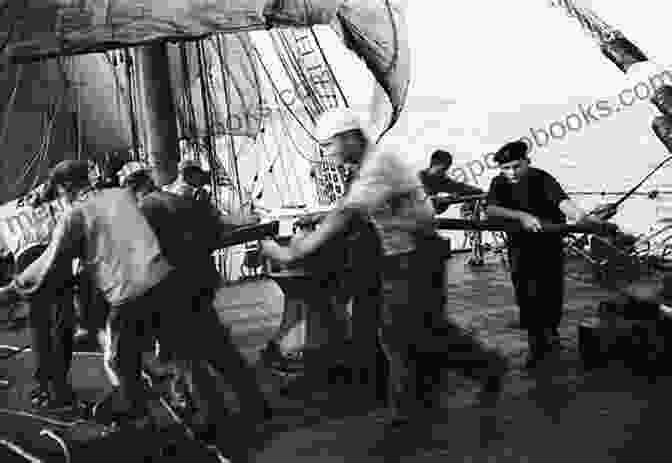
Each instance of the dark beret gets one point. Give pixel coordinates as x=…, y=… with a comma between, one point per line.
x=513, y=151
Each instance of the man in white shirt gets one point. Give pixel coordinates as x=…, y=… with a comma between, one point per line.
x=389, y=192
x=107, y=231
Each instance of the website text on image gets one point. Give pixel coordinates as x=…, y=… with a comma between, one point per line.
x=472, y=171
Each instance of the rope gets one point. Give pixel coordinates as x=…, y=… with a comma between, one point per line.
x=232, y=146
x=619, y=193
x=27, y=348
x=128, y=60
x=277, y=92
x=297, y=74
x=61, y=443
x=304, y=80
x=44, y=419
x=588, y=20
x=329, y=68
x=20, y=451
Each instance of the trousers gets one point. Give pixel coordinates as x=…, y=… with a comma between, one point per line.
x=538, y=278
x=51, y=321
x=210, y=349
x=419, y=340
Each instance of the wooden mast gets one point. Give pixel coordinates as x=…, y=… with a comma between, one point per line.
x=157, y=111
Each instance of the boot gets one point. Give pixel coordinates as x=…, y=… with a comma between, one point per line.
x=539, y=347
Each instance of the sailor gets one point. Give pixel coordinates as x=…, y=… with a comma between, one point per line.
x=52, y=331
x=388, y=191
x=108, y=232
x=188, y=231
x=51, y=319
x=532, y=196
x=191, y=180
x=436, y=179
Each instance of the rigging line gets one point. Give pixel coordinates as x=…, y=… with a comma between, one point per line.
x=302, y=192
x=77, y=127
x=255, y=75
x=291, y=138
x=9, y=107
x=270, y=171
x=275, y=88
x=226, y=70
x=39, y=154
x=207, y=117
x=128, y=61
x=285, y=170
x=44, y=153
x=187, y=93
x=295, y=77
x=44, y=419
x=636, y=187
x=304, y=80
x=329, y=67
x=18, y=450
x=619, y=193
x=227, y=98
x=298, y=78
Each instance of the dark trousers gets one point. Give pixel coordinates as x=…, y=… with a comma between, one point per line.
x=538, y=277
x=209, y=346
x=132, y=331
x=92, y=308
x=418, y=339
x=52, y=331
x=51, y=328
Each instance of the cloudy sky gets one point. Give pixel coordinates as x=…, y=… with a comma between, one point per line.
x=488, y=71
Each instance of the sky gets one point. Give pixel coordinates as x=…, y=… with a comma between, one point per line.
x=486, y=72
x=512, y=66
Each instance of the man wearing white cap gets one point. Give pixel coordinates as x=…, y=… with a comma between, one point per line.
x=387, y=190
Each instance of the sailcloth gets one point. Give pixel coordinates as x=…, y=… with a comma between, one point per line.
x=373, y=29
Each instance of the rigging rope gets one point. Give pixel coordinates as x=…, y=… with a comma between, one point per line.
x=588, y=20
x=329, y=68
x=293, y=76
x=9, y=107
x=227, y=99
x=277, y=92
x=128, y=60
x=281, y=159
x=304, y=80
x=271, y=170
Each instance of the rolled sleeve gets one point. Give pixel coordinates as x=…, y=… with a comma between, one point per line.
x=53, y=269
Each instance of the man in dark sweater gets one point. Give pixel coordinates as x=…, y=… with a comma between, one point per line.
x=436, y=179
x=533, y=197
x=188, y=231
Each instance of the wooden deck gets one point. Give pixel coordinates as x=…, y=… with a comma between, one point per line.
x=564, y=415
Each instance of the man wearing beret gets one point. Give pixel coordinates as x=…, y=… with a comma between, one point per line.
x=532, y=197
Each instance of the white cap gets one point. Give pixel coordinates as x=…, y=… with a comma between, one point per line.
x=130, y=168
x=335, y=121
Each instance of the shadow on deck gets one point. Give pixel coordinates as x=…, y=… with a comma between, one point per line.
x=566, y=414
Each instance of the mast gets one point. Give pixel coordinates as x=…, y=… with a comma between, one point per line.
x=157, y=111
